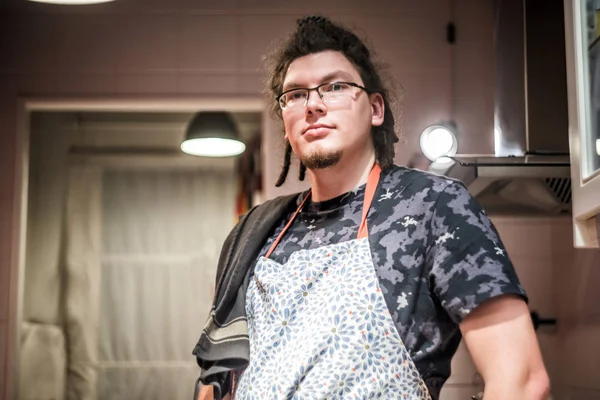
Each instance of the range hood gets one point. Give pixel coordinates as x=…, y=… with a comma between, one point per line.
x=531, y=184
x=530, y=170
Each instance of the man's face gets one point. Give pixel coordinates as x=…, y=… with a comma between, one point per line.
x=321, y=133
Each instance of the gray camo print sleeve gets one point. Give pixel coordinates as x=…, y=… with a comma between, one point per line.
x=467, y=261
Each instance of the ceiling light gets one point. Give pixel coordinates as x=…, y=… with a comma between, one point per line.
x=438, y=141
x=212, y=134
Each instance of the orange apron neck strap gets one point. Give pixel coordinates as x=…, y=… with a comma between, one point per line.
x=363, y=231
x=372, y=182
x=276, y=242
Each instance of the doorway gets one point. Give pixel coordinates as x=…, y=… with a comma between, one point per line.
x=121, y=239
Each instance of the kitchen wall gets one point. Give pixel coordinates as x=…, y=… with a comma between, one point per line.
x=576, y=298
x=562, y=283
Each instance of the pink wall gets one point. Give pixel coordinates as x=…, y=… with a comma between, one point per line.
x=562, y=283
x=576, y=289
x=179, y=48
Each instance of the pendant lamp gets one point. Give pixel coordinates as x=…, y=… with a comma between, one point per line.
x=212, y=134
x=72, y=2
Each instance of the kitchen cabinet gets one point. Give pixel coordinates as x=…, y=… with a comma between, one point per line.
x=582, y=40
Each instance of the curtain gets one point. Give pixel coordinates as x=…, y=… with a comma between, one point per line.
x=83, y=219
x=42, y=362
x=161, y=236
x=42, y=354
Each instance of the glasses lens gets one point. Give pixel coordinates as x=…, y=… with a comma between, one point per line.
x=294, y=98
x=336, y=87
x=336, y=91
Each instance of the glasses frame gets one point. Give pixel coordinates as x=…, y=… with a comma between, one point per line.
x=316, y=88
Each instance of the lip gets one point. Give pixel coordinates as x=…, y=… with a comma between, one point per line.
x=317, y=130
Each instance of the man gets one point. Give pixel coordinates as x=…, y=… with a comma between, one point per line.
x=363, y=286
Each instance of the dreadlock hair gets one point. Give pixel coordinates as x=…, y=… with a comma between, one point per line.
x=286, y=164
x=315, y=34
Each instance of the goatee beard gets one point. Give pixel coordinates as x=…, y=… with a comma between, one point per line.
x=321, y=160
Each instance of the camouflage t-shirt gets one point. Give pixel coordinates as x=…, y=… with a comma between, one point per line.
x=435, y=252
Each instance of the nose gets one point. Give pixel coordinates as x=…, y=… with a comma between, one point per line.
x=315, y=104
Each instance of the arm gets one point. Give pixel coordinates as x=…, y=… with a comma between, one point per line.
x=503, y=345
x=206, y=393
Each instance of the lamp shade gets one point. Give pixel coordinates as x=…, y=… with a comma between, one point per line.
x=212, y=134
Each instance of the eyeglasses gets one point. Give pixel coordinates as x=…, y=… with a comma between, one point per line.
x=330, y=92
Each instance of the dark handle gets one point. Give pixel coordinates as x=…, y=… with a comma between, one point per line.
x=537, y=320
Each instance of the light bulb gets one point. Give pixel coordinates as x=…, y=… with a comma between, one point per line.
x=213, y=147
x=438, y=141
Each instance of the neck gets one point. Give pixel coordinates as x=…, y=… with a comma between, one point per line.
x=343, y=177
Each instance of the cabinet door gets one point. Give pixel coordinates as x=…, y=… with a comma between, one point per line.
x=582, y=28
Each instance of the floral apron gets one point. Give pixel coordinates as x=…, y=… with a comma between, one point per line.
x=320, y=328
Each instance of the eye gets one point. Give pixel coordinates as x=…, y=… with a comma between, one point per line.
x=295, y=95
x=336, y=87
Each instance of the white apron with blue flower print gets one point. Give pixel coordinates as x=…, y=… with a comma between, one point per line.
x=320, y=328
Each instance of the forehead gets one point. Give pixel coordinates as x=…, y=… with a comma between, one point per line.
x=315, y=68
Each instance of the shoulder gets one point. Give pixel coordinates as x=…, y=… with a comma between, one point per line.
x=426, y=187
x=415, y=180
x=252, y=228
x=275, y=205
x=268, y=212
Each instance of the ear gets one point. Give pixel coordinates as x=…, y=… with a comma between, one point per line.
x=286, y=138
x=377, y=109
